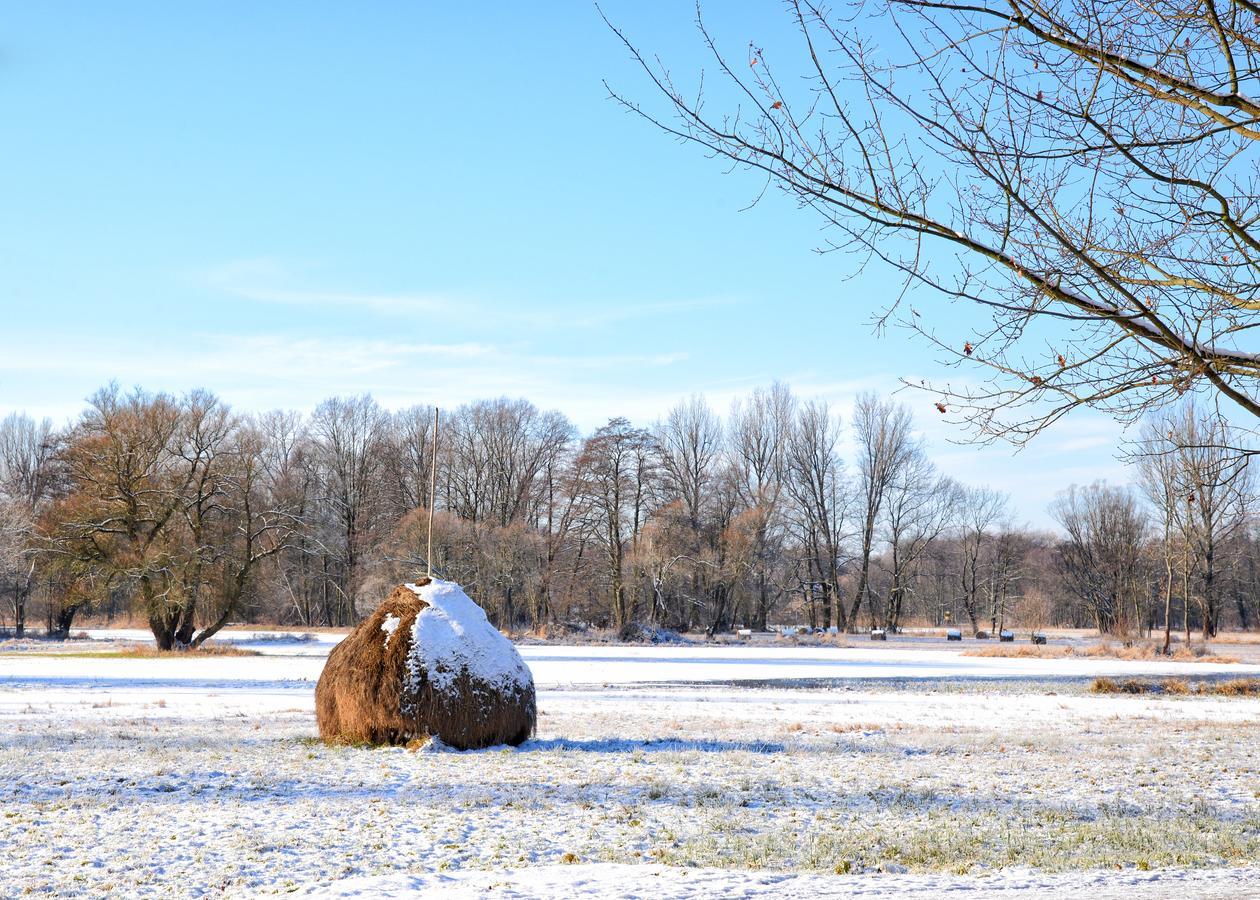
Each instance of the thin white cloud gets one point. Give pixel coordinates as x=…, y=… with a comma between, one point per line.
x=605, y=361
x=263, y=371
x=214, y=355
x=597, y=313
x=267, y=280
x=389, y=304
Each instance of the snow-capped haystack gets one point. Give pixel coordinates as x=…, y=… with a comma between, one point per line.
x=426, y=662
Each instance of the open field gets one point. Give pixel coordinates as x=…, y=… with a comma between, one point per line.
x=657, y=771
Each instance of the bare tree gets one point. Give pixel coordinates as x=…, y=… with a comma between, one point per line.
x=1102, y=554
x=921, y=505
x=1084, y=173
x=556, y=517
x=13, y=564
x=166, y=498
x=817, y=487
x=288, y=461
x=26, y=475
x=885, y=447
x=258, y=517
x=983, y=513
x=689, y=443
x=1008, y=551
x=496, y=450
x=760, y=431
x=1162, y=482
x=126, y=495
x=1215, y=487
x=410, y=457
x=349, y=436
x=617, y=469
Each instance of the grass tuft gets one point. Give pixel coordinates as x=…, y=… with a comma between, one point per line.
x=1127, y=686
x=1137, y=650
x=148, y=651
x=1175, y=686
x=1235, y=687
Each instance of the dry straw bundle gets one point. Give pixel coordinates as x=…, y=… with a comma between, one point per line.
x=427, y=662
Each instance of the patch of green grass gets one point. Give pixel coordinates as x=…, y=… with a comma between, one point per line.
x=135, y=651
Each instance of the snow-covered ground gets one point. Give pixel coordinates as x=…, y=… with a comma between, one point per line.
x=601, y=880
x=657, y=771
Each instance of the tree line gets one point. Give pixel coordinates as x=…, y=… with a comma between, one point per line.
x=189, y=515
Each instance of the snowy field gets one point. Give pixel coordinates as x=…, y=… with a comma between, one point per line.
x=658, y=772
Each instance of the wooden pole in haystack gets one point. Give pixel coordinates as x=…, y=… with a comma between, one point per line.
x=432, y=490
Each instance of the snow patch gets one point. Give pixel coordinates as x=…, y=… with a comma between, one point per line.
x=389, y=626
x=452, y=635
x=614, y=881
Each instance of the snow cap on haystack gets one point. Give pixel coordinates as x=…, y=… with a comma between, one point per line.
x=426, y=662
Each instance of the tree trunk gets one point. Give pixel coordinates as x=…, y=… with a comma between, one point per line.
x=160, y=622
x=762, y=613
x=1209, y=594
x=1168, y=592
x=21, y=595
x=868, y=534
x=893, y=613
x=1185, y=597
x=62, y=621
x=971, y=614
x=720, y=597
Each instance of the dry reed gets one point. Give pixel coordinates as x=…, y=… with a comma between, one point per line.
x=1143, y=650
x=1235, y=687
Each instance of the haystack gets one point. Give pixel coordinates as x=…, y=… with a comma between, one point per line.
x=427, y=662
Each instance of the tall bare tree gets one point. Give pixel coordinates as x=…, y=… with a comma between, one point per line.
x=618, y=470
x=819, y=493
x=349, y=436
x=689, y=443
x=1215, y=485
x=26, y=477
x=886, y=445
x=760, y=431
x=921, y=506
x=1008, y=552
x=410, y=457
x=496, y=450
x=1162, y=481
x=983, y=513
x=1102, y=554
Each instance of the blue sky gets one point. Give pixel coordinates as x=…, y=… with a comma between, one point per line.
x=286, y=201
